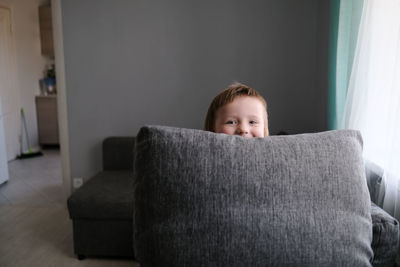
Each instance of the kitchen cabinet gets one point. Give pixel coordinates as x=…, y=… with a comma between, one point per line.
x=47, y=117
x=46, y=30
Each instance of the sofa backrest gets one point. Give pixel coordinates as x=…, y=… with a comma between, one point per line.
x=376, y=183
x=118, y=153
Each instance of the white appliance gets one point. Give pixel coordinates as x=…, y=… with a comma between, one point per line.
x=3, y=153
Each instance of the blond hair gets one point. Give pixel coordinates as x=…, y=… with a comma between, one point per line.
x=227, y=96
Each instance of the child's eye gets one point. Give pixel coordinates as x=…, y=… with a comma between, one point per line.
x=253, y=122
x=230, y=122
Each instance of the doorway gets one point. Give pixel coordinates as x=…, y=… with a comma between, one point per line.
x=33, y=180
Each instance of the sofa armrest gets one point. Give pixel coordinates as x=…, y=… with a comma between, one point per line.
x=375, y=181
x=385, y=241
x=118, y=153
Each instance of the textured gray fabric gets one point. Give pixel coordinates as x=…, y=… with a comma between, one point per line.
x=385, y=242
x=375, y=182
x=205, y=199
x=385, y=228
x=107, y=195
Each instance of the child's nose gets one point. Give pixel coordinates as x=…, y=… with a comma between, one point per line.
x=242, y=129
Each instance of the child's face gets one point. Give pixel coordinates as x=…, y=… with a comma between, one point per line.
x=244, y=116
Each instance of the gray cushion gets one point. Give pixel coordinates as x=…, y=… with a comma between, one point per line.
x=206, y=199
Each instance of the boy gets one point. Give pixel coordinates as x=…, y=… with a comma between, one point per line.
x=238, y=110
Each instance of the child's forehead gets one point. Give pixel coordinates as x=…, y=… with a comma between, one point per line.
x=243, y=105
x=243, y=100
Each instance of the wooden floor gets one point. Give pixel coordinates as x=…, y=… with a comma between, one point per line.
x=35, y=229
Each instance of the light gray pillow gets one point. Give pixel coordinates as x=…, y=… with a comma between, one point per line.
x=206, y=199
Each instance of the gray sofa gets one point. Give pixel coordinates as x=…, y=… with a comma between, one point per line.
x=102, y=209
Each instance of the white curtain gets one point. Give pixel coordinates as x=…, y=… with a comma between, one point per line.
x=373, y=98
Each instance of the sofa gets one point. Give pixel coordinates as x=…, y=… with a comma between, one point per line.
x=102, y=209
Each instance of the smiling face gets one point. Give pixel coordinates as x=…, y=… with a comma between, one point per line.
x=244, y=116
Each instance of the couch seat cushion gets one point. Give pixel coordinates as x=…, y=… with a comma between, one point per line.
x=108, y=195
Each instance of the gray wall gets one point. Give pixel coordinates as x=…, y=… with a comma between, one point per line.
x=130, y=63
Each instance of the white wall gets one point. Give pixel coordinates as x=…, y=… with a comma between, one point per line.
x=130, y=63
x=9, y=89
x=30, y=62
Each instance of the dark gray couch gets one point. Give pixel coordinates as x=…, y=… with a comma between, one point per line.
x=101, y=210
